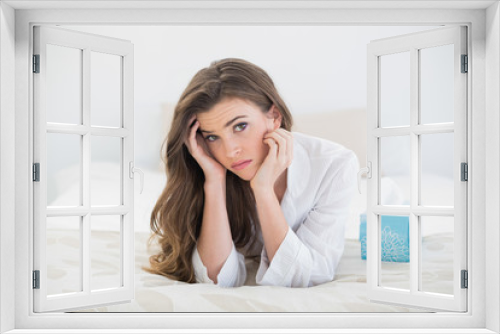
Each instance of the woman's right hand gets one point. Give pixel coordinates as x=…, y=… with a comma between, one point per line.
x=197, y=147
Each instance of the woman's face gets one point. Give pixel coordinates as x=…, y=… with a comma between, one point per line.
x=234, y=130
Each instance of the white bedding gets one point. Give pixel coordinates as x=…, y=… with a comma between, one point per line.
x=154, y=293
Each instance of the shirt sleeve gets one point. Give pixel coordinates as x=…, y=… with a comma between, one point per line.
x=233, y=272
x=309, y=256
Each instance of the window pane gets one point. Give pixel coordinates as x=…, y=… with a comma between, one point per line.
x=395, y=170
x=437, y=254
x=105, y=171
x=105, y=250
x=63, y=84
x=64, y=254
x=437, y=169
x=436, y=84
x=395, y=252
x=105, y=89
x=395, y=90
x=63, y=169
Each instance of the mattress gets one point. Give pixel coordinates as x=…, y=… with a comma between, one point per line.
x=155, y=293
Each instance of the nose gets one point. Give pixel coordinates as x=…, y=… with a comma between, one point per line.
x=233, y=148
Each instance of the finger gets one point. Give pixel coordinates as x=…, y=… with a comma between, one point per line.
x=285, y=134
x=191, y=120
x=191, y=140
x=289, y=141
x=193, y=125
x=287, y=152
x=273, y=148
x=282, y=147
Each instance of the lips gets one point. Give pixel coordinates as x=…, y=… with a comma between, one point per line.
x=241, y=164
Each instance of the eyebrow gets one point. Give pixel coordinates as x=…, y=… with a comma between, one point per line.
x=228, y=123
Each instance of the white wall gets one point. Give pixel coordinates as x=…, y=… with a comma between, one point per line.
x=492, y=186
x=317, y=69
x=7, y=168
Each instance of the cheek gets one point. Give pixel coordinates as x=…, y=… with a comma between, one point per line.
x=215, y=151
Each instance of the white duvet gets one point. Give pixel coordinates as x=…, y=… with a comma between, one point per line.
x=154, y=293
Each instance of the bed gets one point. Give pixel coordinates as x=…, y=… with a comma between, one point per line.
x=155, y=293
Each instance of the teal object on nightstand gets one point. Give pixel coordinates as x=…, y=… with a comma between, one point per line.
x=395, y=238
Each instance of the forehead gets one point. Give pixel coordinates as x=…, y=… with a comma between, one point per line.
x=226, y=110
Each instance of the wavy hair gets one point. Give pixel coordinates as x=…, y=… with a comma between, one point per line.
x=177, y=215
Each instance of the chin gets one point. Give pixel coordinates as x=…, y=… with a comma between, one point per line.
x=245, y=175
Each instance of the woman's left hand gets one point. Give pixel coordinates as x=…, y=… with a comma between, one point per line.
x=278, y=159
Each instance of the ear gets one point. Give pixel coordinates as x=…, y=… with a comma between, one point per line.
x=274, y=118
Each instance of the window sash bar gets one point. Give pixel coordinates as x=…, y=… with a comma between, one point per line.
x=84, y=210
x=417, y=210
x=87, y=129
x=416, y=129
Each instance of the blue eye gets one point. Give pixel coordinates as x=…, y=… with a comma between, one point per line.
x=241, y=126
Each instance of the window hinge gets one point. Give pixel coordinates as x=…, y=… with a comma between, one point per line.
x=465, y=279
x=465, y=64
x=465, y=171
x=36, y=279
x=36, y=63
x=36, y=172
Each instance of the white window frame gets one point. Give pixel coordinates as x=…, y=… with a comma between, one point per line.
x=412, y=45
x=483, y=21
x=123, y=51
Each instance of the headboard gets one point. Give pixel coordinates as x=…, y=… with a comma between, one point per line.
x=346, y=127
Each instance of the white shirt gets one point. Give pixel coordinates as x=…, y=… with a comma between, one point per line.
x=320, y=185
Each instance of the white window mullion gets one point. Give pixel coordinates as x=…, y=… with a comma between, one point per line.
x=373, y=121
x=85, y=254
x=125, y=123
x=86, y=272
x=414, y=170
x=127, y=228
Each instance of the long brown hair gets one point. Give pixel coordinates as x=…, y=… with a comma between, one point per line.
x=177, y=215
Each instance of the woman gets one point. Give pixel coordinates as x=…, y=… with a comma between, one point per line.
x=239, y=182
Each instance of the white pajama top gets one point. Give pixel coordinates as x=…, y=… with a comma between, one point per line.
x=321, y=181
